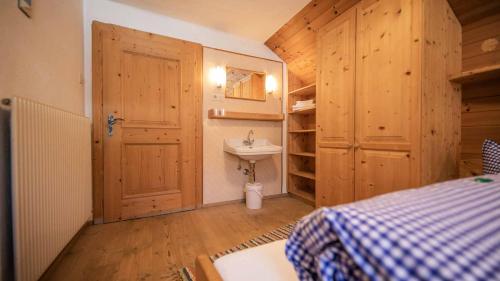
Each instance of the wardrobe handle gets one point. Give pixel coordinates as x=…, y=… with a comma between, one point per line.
x=356, y=145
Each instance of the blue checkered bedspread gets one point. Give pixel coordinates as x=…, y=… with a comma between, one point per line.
x=445, y=231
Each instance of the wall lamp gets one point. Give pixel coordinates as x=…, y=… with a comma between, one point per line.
x=271, y=84
x=218, y=76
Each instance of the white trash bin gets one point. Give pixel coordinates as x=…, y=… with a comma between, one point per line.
x=254, y=195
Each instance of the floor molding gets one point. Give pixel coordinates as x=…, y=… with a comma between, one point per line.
x=64, y=251
x=243, y=200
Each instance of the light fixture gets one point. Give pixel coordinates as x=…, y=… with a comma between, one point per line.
x=218, y=76
x=271, y=84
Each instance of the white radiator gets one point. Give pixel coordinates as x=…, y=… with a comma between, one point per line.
x=51, y=183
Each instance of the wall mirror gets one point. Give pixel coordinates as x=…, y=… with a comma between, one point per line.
x=245, y=84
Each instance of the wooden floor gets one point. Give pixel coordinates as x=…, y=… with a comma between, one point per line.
x=154, y=248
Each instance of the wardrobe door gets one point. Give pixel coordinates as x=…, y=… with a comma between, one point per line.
x=386, y=96
x=335, y=111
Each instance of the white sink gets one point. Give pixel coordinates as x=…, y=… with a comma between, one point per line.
x=260, y=149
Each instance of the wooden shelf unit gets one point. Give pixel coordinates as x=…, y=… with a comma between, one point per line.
x=301, y=146
x=234, y=115
x=309, y=90
x=303, y=174
x=490, y=72
x=304, y=111
x=303, y=154
x=301, y=131
x=304, y=193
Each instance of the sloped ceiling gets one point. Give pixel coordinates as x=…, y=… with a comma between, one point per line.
x=255, y=19
x=295, y=41
x=468, y=11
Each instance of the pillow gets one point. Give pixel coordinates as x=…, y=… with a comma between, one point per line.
x=491, y=157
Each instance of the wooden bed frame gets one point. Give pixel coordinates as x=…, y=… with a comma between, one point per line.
x=205, y=269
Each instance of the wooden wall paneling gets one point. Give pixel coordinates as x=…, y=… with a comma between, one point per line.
x=335, y=110
x=479, y=90
x=482, y=111
x=300, y=21
x=471, y=167
x=469, y=11
x=473, y=138
x=481, y=100
x=481, y=43
x=294, y=82
x=480, y=120
x=307, y=20
x=441, y=99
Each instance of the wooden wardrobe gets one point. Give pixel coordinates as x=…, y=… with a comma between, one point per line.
x=387, y=116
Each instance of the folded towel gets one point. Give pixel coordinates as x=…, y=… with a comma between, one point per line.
x=304, y=106
x=298, y=108
x=304, y=102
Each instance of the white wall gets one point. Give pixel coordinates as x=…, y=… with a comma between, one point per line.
x=108, y=11
x=221, y=180
x=42, y=58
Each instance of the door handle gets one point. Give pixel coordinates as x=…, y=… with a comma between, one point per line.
x=111, y=121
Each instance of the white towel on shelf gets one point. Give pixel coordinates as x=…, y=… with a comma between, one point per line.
x=304, y=102
x=297, y=108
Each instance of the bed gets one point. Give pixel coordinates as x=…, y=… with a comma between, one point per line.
x=444, y=231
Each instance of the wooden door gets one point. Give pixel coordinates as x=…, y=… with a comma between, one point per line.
x=335, y=111
x=386, y=96
x=150, y=160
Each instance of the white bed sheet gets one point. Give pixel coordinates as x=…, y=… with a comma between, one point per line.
x=263, y=263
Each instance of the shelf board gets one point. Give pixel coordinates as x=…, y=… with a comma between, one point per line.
x=305, y=91
x=477, y=75
x=214, y=114
x=307, y=175
x=302, y=131
x=303, y=111
x=304, y=195
x=303, y=154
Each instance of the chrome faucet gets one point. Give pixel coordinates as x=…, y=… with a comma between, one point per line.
x=250, y=140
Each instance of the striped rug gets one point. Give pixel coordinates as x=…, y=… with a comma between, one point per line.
x=280, y=233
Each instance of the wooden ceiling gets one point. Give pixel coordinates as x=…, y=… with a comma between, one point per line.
x=295, y=42
x=468, y=11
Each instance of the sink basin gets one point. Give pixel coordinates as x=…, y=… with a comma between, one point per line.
x=260, y=149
